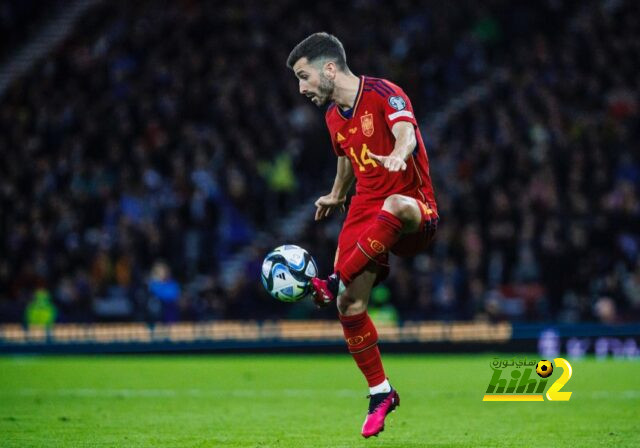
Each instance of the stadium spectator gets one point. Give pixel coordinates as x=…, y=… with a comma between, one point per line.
x=40, y=311
x=167, y=291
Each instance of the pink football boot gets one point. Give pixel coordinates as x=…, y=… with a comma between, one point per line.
x=379, y=406
x=325, y=291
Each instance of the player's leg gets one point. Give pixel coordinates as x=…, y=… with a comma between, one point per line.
x=404, y=208
x=399, y=215
x=362, y=341
x=411, y=244
x=355, y=298
x=359, y=331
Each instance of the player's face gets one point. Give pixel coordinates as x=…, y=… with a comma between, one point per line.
x=313, y=83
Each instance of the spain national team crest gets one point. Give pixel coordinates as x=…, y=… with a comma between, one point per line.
x=367, y=124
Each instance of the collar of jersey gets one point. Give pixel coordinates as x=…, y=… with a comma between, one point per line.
x=345, y=114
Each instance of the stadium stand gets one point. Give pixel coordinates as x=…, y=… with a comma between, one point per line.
x=159, y=138
x=19, y=19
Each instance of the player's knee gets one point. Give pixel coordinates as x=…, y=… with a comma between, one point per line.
x=345, y=301
x=400, y=206
x=348, y=304
x=393, y=204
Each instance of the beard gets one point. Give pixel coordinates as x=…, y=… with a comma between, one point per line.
x=325, y=91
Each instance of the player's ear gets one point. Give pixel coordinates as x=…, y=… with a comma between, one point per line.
x=330, y=69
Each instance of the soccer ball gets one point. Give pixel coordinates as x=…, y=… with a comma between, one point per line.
x=544, y=368
x=287, y=271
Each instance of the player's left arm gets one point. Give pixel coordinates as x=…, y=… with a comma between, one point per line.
x=398, y=115
x=406, y=142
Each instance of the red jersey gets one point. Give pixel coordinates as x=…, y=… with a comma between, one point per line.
x=379, y=105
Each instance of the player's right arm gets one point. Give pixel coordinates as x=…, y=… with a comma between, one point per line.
x=341, y=186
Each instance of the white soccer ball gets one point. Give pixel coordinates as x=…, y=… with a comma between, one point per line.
x=287, y=272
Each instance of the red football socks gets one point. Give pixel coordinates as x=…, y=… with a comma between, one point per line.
x=362, y=341
x=377, y=239
x=359, y=331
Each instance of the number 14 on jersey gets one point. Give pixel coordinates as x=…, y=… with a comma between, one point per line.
x=364, y=158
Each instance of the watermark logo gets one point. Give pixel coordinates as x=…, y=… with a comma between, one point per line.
x=516, y=380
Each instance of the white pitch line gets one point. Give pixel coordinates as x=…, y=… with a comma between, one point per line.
x=153, y=393
x=629, y=394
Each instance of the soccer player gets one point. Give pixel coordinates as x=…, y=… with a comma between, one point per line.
x=375, y=136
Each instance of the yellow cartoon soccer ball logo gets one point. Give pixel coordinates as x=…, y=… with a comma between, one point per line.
x=544, y=368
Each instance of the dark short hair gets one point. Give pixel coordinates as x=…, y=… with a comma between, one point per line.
x=316, y=46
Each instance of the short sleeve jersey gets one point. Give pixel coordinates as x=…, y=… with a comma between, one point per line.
x=367, y=128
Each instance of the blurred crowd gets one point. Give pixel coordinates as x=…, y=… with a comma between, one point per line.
x=160, y=138
x=21, y=19
x=539, y=181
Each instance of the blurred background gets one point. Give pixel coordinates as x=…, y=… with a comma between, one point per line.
x=153, y=152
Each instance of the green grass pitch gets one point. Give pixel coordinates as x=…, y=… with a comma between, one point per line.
x=300, y=401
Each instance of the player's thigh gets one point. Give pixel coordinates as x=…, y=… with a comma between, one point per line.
x=355, y=298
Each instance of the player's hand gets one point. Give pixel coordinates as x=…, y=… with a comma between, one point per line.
x=391, y=163
x=326, y=204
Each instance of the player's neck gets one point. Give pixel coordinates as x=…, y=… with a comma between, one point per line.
x=346, y=90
